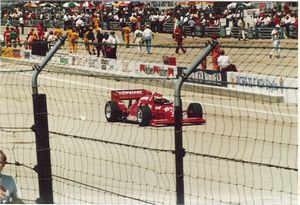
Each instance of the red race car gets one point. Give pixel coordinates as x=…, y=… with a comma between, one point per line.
x=147, y=108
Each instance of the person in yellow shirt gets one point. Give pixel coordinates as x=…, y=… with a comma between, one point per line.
x=133, y=20
x=89, y=40
x=73, y=37
x=58, y=32
x=96, y=21
x=126, y=31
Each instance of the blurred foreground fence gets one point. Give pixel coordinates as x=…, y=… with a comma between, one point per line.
x=246, y=153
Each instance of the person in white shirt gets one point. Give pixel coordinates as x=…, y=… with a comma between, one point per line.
x=276, y=41
x=51, y=39
x=241, y=25
x=138, y=39
x=9, y=193
x=148, y=35
x=224, y=62
x=112, y=44
x=21, y=22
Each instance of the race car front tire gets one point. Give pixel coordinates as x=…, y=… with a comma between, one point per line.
x=112, y=111
x=194, y=110
x=144, y=116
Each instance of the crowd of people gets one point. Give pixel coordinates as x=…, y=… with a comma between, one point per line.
x=86, y=25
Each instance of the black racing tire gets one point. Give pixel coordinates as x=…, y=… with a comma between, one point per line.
x=194, y=110
x=144, y=116
x=112, y=111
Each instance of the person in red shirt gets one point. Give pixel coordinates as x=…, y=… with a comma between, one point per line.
x=6, y=36
x=216, y=52
x=18, y=35
x=40, y=30
x=178, y=35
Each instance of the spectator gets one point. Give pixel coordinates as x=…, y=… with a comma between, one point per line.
x=215, y=54
x=9, y=192
x=138, y=39
x=241, y=25
x=89, y=38
x=51, y=39
x=58, y=32
x=73, y=38
x=99, y=39
x=192, y=25
x=6, y=36
x=13, y=37
x=21, y=22
x=134, y=22
x=224, y=62
x=147, y=36
x=112, y=44
x=179, y=39
x=276, y=41
x=126, y=30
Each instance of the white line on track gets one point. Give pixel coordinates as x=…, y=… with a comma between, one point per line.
x=206, y=104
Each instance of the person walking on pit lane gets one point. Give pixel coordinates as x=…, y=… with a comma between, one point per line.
x=178, y=34
x=148, y=36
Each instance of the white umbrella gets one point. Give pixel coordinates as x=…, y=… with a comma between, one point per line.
x=88, y=4
x=71, y=4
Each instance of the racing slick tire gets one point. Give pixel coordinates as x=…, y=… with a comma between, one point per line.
x=112, y=111
x=144, y=116
x=194, y=110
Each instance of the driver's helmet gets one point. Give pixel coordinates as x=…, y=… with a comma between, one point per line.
x=158, y=98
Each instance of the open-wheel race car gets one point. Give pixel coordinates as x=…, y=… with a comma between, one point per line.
x=147, y=108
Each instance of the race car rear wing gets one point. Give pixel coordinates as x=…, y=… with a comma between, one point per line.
x=129, y=94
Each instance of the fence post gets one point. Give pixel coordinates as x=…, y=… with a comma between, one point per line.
x=40, y=127
x=179, y=150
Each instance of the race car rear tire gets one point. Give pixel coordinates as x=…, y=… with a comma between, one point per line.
x=195, y=110
x=112, y=111
x=144, y=116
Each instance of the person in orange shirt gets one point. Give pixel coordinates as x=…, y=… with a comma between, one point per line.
x=73, y=38
x=58, y=32
x=215, y=53
x=96, y=22
x=31, y=39
x=126, y=31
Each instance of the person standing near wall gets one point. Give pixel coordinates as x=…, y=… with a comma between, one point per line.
x=276, y=41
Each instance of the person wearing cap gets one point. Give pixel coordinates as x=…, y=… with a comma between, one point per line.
x=276, y=41
x=9, y=193
x=148, y=36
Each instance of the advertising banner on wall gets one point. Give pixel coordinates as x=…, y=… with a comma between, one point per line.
x=209, y=77
x=266, y=85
